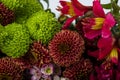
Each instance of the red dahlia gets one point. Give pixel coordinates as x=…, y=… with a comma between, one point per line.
x=66, y=47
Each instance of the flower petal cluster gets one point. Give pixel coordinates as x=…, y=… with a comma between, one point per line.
x=100, y=24
x=73, y=9
x=15, y=40
x=42, y=26
x=66, y=47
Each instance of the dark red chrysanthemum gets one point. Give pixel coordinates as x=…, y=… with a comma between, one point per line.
x=38, y=55
x=79, y=71
x=12, y=68
x=66, y=47
x=6, y=15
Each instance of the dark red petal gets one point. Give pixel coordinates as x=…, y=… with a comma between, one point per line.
x=94, y=53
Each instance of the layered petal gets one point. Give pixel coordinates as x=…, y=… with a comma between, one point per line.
x=73, y=9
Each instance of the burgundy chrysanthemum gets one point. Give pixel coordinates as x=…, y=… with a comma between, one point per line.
x=6, y=15
x=79, y=71
x=12, y=68
x=38, y=55
x=66, y=47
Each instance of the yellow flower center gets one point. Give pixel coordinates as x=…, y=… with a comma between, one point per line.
x=71, y=10
x=98, y=23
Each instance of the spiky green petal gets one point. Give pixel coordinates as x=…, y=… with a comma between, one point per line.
x=42, y=26
x=15, y=40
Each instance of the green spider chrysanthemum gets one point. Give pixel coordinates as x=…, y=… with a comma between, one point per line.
x=15, y=40
x=13, y=4
x=23, y=13
x=42, y=26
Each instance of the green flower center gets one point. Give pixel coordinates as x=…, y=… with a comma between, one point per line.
x=48, y=70
x=64, y=48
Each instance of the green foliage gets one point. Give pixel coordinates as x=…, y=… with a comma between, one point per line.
x=107, y=6
x=23, y=13
x=15, y=40
x=42, y=26
x=13, y=4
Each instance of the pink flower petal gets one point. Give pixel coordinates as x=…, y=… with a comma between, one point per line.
x=68, y=22
x=117, y=75
x=105, y=42
x=65, y=7
x=105, y=45
x=92, y=34
x=97, y=9
x=107, y=25
x=104, y=52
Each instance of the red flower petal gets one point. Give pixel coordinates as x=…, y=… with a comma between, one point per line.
x=65, y=9
x=105, y=46
x=97, y=9
x=104, y=52
x=79, y=8
x=94, y=54
x=105, y=42
x=68, y=22
x=92, y=33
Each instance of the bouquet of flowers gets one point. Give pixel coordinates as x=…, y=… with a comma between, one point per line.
x=83, y=43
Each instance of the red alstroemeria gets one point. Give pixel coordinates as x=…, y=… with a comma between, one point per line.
x=100, y=24
x=107, y=49
x=73, y=9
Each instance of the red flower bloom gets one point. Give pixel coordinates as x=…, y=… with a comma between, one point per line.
x=66, y=48
x=100, y=24
x=73, y=9
x=107, y=49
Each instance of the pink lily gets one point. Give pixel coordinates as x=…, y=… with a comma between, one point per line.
x=100, y=24
x=73, y=9
x=107, y=49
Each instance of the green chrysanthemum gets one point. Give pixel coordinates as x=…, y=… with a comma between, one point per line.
x=1, y=28
x=42, y=26
x=27, y=10
x=15, y=40
x=13, y=4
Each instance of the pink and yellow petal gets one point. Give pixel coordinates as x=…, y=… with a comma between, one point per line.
x=79, y=8
x=67, y=8
x=114, y=55
x=98, y=23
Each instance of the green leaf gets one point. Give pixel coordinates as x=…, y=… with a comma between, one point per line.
x=106, y=6
x=115, y=7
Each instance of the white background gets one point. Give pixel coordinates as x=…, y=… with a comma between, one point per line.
x=54, y=3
